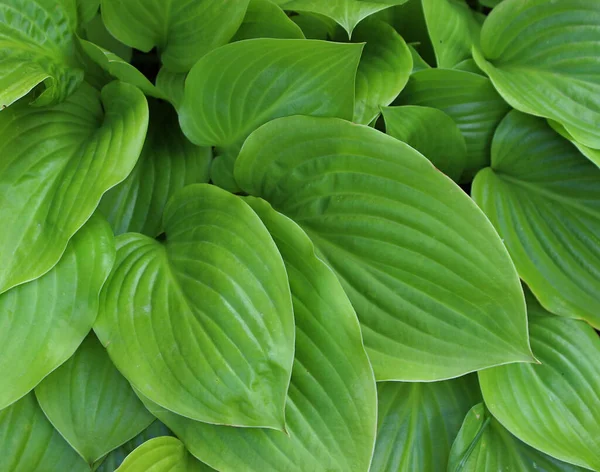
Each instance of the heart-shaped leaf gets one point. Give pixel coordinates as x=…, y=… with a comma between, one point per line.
x=555, y=406
x=43, y=322
x=543, y=59
x=409, y=246
x=419, y=421
x=331, y=406
x=264, y=19
x=543, y=197
x=182, y=30
x=206, y=317
x=47, y=156
x=28, y=442
x=37, y=44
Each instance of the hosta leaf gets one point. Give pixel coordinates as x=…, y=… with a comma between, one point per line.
x=543, y=197
x=418, y=62
x=543, y=59
x=168, y=162
x=90, y=403
x=469, y=65
x=331, y=404
x=489, y=3
x=431, y=132
x=592, y=154
x=96, y=32
x=28, y=442
x=264, y=19
x=419, y=421
x=484, y=445
x=47, y=158
x=87, y=9
x=182, y=30
x=315, y=26
x=165, y=454
x=469, y=99
x=171, y=85
x=383, y=71
x=555, y=406
x=37, y=44
x=207, y=315
x=452, y=28
x=412, y=251
x=43, y=322
x=235, y=89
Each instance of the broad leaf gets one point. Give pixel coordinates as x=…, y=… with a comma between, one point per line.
x=411, y=249
x=331, y=406
x=207, y=315
x=90, y=403
x=543, y=197
x=418, y=62
x=555, y=406
x=96, y=32
x=43, y=322
x=543, y=59
x=484, y=445
x=469, y=99
x=28, y=442
x=264, y=19
x=315, y=26
x=168, y=162
x=592, y=154
x=55, y=164
x=87, y=9
x=235, y=89
x=182, y=30
x=431, y=132
x=419, y=421
x=37, y=44
x=171, y=85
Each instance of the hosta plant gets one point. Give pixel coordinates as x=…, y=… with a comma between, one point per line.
x=299, y=235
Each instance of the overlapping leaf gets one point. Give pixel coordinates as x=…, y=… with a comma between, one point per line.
x=592, y=154
x=264, y=19
x=410, y=248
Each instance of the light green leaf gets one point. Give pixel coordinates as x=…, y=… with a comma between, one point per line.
x=592, y=154
x=452, y=28
x=90, y=404
x=29, y=443
x=411, y=249
x=543, y=197
x=168, y=162
x=331, y=406
x=419, y=421
x=96, y=32
x=264, y=19
x=418, y=62
x=171, y=85
x=347, y=13
x=484, y=445
x=555, y=406
x=182, y=30
x=469, y=99
x=469, y=65
x=431, y=132
x=165, y=454
x=315, y=26
x=383, y=71
x=43, y=322
x=235, y=89
x=543, y=59
x=47, y=156
x=214, y=295
x=37, y=44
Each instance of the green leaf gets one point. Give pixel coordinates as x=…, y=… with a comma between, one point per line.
x=469, y=65
x=555, y=406
x=347, y=13
x=484, y=445
x=592, y=154
x=383, y=71
x=264, y=19
x=28, y=442
x=215, y=294
x=431, y=132
x=55, y=164
x=331, y=406
x=96, y=32
x=469, y=99
x=168, y=162
x=543, y=197
x=37, y=44
x=182, y=30
x=543, y=59
x=86, y=10
x=419, y=421
x=452, y=28
x=489, y=3
x=418, y=62
x=90, y=403
x=171, y=85
x=165, y=454
x=43, y=322
x=315, y=26
x=411, y=249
